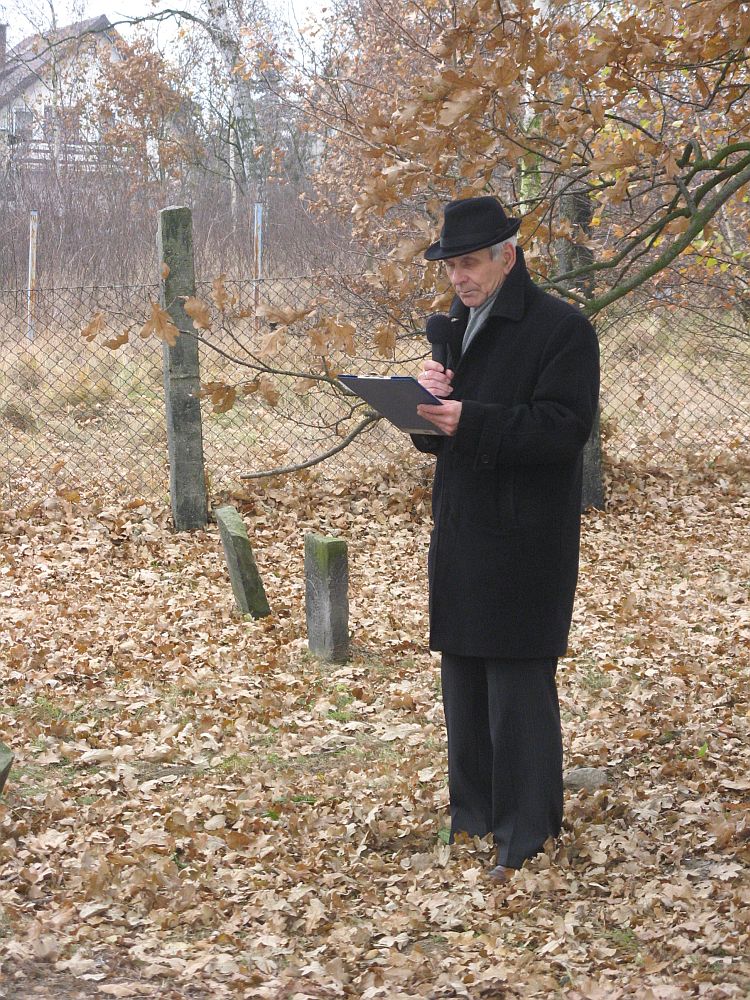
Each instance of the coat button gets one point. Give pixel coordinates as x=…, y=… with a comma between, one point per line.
x=484, y=459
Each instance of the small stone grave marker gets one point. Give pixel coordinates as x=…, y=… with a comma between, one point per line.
x=247, y=585
x=6, y=762
x=327, y=597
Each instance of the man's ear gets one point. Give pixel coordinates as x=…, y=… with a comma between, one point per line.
x=509, y=257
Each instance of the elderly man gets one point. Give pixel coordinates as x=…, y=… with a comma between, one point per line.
x=519, y=391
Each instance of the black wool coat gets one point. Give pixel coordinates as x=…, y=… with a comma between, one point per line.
x=503, y=559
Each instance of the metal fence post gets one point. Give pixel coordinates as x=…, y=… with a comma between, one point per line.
x=31, y=284
x=257, y=260
x=187, y=480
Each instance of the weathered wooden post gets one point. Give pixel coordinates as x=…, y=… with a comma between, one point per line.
x=187, y=480
x=327, y=597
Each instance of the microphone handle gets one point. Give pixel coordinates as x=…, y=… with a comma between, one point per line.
x=440, y=354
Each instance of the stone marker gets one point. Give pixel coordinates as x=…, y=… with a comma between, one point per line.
x=589, y=778
x=246, y=582
x=327, y=597
x=6, y=760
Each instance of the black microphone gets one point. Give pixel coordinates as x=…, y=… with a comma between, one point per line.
x=438, y=333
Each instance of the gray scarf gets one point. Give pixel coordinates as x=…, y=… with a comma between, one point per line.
x=476, y=320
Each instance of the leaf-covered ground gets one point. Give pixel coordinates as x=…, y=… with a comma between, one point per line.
x=199, y=809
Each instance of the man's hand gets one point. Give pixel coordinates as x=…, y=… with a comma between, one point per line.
x=439, y=381
x=436, y=379
x=445, y=416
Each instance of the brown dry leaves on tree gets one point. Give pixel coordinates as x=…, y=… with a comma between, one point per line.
x=199, y=312
x=198, y=809
x=619, y=131
x=159, y=324
x=143, y=114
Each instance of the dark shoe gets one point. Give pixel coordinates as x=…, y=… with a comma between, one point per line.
x=502, y=874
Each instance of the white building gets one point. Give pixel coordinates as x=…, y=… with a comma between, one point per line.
x=46, y=81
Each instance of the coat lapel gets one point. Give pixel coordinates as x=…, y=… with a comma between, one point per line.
x=459, y=317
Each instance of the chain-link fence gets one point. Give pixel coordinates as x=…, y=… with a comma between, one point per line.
x=76, y=414
x=675, y=378
x=74, y=411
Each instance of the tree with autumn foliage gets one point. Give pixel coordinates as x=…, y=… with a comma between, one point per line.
x=243, y=117
x=618, y=131
x=145, y=114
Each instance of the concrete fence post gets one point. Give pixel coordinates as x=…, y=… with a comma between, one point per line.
x=187, y=480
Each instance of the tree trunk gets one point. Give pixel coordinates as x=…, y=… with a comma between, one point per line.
x=576, y=207
x=593, y=478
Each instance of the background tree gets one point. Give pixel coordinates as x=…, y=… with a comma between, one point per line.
x=621, y=129
x=145, y=114
x=619, y=132
x=164, y=125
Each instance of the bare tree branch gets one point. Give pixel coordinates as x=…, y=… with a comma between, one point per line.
x=363, y=425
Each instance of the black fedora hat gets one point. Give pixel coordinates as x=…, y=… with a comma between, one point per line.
x=471, y=224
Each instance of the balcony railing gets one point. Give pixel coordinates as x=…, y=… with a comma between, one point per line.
x=39, y=152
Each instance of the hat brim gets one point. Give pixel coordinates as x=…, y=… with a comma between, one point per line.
x=438, y=252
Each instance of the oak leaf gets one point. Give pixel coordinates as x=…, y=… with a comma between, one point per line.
x=118, y=341
x=303, y=385
x=268, y=391
x=271, y=343
x=385, y=340
x=283, y=315
x=341, y=334
x=459, y=106
x=198, y=312
x=94, y=327
x=220, y=295
x=160, y=325
x=223, y=401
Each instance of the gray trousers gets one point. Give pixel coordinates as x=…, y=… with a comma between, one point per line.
x=504, y=752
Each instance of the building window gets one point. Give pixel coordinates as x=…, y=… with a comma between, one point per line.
x=23, y=123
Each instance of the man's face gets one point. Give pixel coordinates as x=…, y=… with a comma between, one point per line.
x=475, y=276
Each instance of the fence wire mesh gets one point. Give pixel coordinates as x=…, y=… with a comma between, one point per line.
x=675, y=380
x=294, y=412
x=80, y=415
x=73, y=412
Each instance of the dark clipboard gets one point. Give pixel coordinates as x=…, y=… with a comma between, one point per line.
x=396, y=398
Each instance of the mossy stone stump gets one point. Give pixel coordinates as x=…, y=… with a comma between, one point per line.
x=327, y=597
x=6, y=762
x=247, y=585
